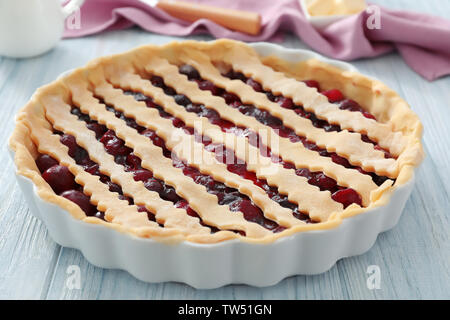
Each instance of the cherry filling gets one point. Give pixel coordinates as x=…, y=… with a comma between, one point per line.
x=318, y=179
x=238, y=166
x=62, y=181
x=333, y=95
x=124, y=156
x=231, y=197
x=222, y=154
x=266, y=118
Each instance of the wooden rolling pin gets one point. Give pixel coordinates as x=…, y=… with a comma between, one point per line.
x=237, y=20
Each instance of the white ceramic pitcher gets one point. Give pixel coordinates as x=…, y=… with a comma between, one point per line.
x=31, y=27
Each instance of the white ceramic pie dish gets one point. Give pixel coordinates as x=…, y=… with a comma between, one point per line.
x=208, y=266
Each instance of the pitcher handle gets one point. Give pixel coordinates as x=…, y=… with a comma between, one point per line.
x=73, y=5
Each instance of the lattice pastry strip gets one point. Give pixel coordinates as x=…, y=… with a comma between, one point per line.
x=293, y=152
x=344, y=143
x=312, y=101
x=202, y=202
x=318, y=204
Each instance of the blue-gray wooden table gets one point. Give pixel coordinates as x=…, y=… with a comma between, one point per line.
x=414, y=257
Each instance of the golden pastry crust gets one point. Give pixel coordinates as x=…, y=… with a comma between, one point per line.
x=397, y=129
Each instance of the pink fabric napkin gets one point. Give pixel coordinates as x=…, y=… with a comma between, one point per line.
x=422, y=40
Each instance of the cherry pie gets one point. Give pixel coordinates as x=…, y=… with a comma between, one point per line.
x=207, y=141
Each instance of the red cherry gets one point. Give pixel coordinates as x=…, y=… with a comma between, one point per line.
x=250, y=211
x=150, y=104
x=285, y=132
x=189, y=130
x=261, y=183
x=191, y=212
x=169, y=91
x=340, y=160
x=182, y=204
x=255, y=85
x=195, y=108
x=323, y=182
x=157, y=81
x=59, y=178
x=347, y=197
x=288, y=165
x=300, y=111
x=157, y=141
x=301, y=216
x=182, y=100
x=133, y=161
x=285, y=102
x=362, y=170
x=99, y=129
x=230, y=97
x=189, y=71
x=303, y=172
x=116, y=147
x=333, y=95
x=225, y=125
x=100, y=215
x=387, y=155
x=178, y=123
x=293, y=137
x=44, y=162
x=153, y=184
x=142, y=175
x=350, y=105
x=237, y=75
x=208, y=85
x=279, y=229
x=205, y=180
x=312, y=84
x=191, y=172
x=81, y=200
x=108, y=135
x=69, y=141
x=269, y=224
x=169, y=194
x=91, y=167
x=123, y=197
x=82, y=156
x=113, y=187
x=369, y=115
x=251, y=176
x=237, y=168
x=150, y=215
